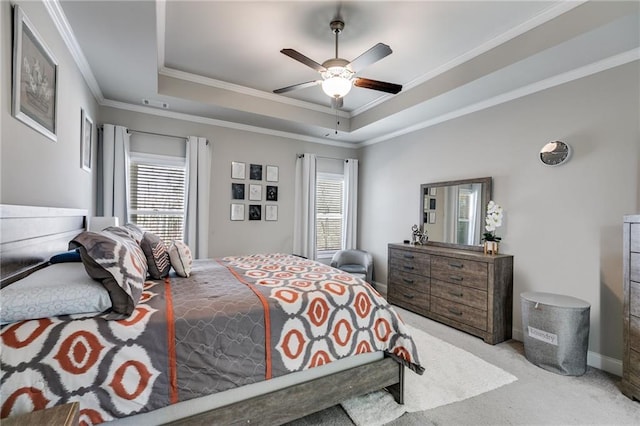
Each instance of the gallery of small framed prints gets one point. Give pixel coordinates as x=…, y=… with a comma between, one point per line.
x=254, y=183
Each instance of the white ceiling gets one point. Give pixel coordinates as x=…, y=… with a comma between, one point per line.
x=219, y=61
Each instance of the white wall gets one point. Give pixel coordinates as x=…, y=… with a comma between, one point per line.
x=562, y=224
x=34, y=169
x=237, y=237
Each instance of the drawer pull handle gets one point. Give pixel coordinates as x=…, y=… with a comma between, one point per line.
x=455, y=278
x=456, y=293
x=408, y=256
x=455, y=312
x=408, y=296
x=456, y=265
x=408, y=281
x=408, y=267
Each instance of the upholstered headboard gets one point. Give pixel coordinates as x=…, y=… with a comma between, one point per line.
x=30, y=235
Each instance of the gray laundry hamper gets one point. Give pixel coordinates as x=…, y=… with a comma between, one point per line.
x=556, y=332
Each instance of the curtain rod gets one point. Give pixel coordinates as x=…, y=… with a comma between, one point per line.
x=324, y=158
x=158, y=134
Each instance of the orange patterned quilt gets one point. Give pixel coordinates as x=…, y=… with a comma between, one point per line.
x=235, y=321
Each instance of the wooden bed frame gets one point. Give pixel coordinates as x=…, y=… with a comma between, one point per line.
x=29, y=236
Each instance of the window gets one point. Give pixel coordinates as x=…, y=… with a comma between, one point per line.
x=329, y=189
x=157, y=194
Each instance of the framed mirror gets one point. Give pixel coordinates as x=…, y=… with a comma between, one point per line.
x=452, y=212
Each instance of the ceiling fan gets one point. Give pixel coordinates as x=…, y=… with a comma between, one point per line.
x=338, y=75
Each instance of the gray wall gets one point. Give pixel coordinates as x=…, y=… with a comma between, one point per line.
x=238, y=237
x=562, y=224
x=34, y=169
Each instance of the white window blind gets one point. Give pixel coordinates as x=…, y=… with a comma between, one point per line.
x=329, y=188
x=157, y=194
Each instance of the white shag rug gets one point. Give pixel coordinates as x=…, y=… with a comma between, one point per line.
x=451, y=374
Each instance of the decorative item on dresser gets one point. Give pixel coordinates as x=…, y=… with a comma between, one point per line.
x=465, y=289
x=631, y=316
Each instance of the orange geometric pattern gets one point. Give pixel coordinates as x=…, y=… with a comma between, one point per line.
x=331, y=314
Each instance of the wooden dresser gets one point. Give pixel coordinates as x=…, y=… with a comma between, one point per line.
x=465, y=289
x=631, y=315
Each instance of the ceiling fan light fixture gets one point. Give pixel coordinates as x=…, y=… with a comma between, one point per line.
x=337, y=81
x=336, y=87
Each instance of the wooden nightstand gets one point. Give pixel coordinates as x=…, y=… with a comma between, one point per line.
x=61, y=415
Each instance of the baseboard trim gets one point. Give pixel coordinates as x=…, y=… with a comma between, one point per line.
x=594, y=359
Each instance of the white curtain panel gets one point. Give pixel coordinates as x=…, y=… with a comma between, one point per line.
x=196, y=229
x=304, y=214
x=115, y=178
x=350, y=205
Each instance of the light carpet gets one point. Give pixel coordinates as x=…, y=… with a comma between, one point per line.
x=451, y=374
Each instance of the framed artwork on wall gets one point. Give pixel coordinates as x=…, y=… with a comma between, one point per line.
x=272, y=193
x=272, y=173
x=35, y=78
x=86, y=140
x=237, y=211
x=432, y=203
x=255, y=172
x=271, y=213
x=237, y=170
x=255, y=192
x=432, y=191
x=432, y=217
x=255, y=212
x=237, y=191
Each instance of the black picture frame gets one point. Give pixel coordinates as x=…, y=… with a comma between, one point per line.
x=255, y=212
x=432, y=203
x=237, y=191
x=272, y=193
x=255, y=171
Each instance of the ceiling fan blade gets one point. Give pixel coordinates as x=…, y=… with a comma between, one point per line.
x=381, y=86
x=298, y=86
x=337, y=103
x=372, y=55
x=294, y=54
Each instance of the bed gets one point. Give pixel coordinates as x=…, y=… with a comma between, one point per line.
x=299, y=337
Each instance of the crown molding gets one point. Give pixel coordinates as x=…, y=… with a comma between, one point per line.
x=222, y=123
x=219, y=84
x=566, y=77
x=62, y=24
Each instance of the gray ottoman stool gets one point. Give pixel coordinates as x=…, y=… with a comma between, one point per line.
x=556, y=332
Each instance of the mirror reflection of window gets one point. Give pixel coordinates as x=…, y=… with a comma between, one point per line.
x=453, y=212
x=469, y=199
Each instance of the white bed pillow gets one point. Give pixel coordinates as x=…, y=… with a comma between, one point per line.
x=58, y=289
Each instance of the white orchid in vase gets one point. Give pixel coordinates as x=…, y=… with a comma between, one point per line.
x=492, y=221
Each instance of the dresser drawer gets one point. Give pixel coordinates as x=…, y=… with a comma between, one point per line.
x=463, y=272
x=634, y=267
x=635, y=238
x=460, y=294
x=634, y=333
x=634, y=298
x=409, y=261
x=408, y=297
x=461, y=313
x=417, y=282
